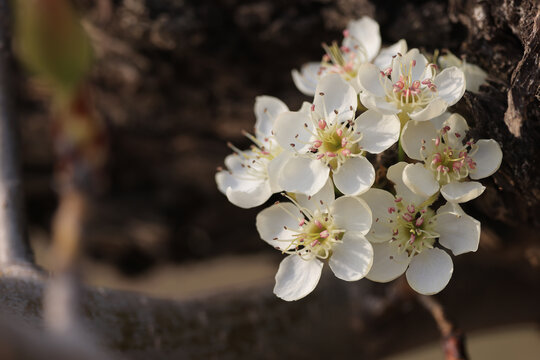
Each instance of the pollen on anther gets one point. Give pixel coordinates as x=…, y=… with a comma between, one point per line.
x=321, y=93
x=292, y=145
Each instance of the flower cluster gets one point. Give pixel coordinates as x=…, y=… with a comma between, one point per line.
x=364, y=101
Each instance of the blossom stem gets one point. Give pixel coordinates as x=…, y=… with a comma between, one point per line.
x=453, y=339
x=401, y=153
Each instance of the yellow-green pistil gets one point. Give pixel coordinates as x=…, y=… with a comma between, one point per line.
x=413, y=227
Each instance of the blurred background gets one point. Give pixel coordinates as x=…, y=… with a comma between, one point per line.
x=166, y=84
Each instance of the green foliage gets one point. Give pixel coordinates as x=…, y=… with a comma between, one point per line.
x=51, y=42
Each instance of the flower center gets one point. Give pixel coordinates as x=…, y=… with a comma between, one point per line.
x=448, y=163
x=315, y=238
x=335, y=143
x=408, y=92
x=343, y=60
x=255, y=160
x=413, y=228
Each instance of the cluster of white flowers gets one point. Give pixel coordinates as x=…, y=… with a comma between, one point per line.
x=365, y=100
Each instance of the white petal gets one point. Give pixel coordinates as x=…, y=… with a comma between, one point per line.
x=488, y=158
x=356, y=84
x=271, y=223
x=460, y=192
x=450, y=85
x=351, y=214
x=474, y=77
x=242, y=188
x=378, y=103
x=439, y=120
x=352, y=259
x=452, y=208
x=430, y=271
x=275, y=166
x=355, y=176
x=371, y=80
x=379, y=201
x=395, y=174
x=458, y=232
x=290, y=124
x=248, y=194
x=303, y=175
x=296, y=278
x=384, y=59
x=364, y=32
x=449, y=60
x=388, y=262
x=234, y=162
x=379, y=131
x=458, y=129
x=305, y=108
x=323, y=198
x=306, y=79
x=420, y=180
x=267, y=108
x=414, y=135
x=435, y=108
x=334, y=94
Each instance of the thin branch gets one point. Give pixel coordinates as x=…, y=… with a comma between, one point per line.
x=453, y=339
x=14, y=249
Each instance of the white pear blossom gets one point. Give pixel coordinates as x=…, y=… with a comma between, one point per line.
x=361, y=44
x=313, y=229
x=410, y=87
x=329, y=141
x=447, y=160
x=247, y=181
x=406, y=232
x=474, y=75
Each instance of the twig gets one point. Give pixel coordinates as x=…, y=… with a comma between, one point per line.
x=14, y=250
x=453, y=339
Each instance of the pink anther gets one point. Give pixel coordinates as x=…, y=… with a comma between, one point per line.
x=407, y=217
